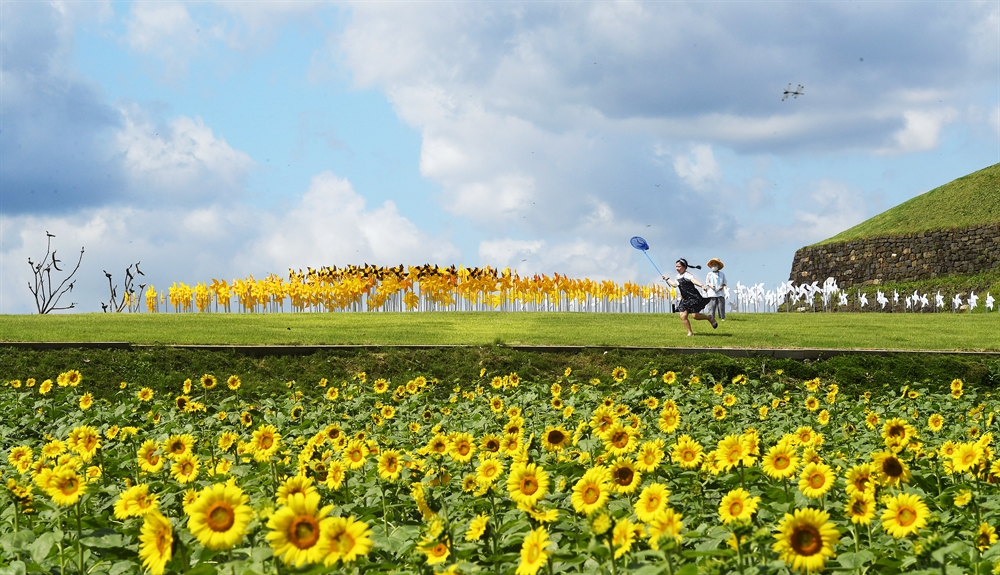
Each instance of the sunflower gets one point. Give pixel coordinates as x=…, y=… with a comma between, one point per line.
x=669, y=378
x=71, y=378
x=510, y=444
x=652, y=502
x=438, y=445
x=650, y=455
x=185, y=468
x=488, y=471
x=181, y=402
x=687, y=453
x=625, y=478
x=620, y=439
x=156, y=540
x=178, y=445
x=534, y=552
x=670, y=419
x=555, y=438
x=389, y=465
x=668, y=524
x=603, y=418
x=719, y=412
x=729, y=400
x=296, y=412
x=85, y=440
x=233, y=382
x=897, y=433
x=872, y=420
x=265, y=442
x=966, y=457
x=731, y=451
x=904, y=514
x=86, y=401
x=986, y=536
x=812, y=404
x=296, y=529
x=591, y=491
x=619, y=374
x=291, y=486
x=65, y=487
x=149, y=460
x=335, y=474
x=135, y=502
x=623, y=535
x=859, y=479
x=823, y=418
x=527, y=483
x=891, y=470
x=345, y=540
x=380, y=386
x=461, y=447
x=218, y=518
x=477, y=527
x=737, y=505
x=490, y=443
x=805, y=539
x=332, y=393
x=816, y=479
x=781, y=461
x=208, y=381
x=860, y=507
x=355, y=454
x=227, y=440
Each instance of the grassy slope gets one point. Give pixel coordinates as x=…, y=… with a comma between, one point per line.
x=970, y=200
x=942, y=331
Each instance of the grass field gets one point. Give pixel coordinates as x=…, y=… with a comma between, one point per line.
x=943, y=331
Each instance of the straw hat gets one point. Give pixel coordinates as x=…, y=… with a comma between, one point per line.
x=716, y=262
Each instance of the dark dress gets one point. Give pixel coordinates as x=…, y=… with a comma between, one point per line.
x=691, y=299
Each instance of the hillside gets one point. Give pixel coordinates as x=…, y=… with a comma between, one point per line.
x=971, y=200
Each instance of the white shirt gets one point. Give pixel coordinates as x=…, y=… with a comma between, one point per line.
x=714, y=284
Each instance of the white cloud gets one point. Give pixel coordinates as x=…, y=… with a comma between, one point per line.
x=700, y=169
x=332, y=226
x=178, y=162
x=575, y=258
x=921, y=132
x=165, y=31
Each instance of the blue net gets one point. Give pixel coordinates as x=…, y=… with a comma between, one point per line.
x=639, y=243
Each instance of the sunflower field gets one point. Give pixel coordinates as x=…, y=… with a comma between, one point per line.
x=645, y=472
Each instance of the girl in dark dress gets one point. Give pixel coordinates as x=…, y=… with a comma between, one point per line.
x=692, y=302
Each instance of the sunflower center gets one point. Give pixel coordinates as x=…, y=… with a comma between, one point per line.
x=649, y=458
x=70, y=486
x=186, y=468
x=343, y=543
x=859, y=507
x=220, y=516
x=688, y=455
x=355, y=455
x=391, y=464
x=806, y=540
x=817, y=480
x=735, y=454
x=534, y=554
x=153, y=459
x=892, y=467
x=897, y=431
x=492, y=445
x=624, y=476
x=591, y=494
x=463, y=449
x=653, y=503
x=782, y=462
x=177, y=448
x=266, y=442
x=529, y=485
x=968, y=458
x=304, y=531
x=906, y=516
x=556, y=437
x=735, y=508
x=620, y=439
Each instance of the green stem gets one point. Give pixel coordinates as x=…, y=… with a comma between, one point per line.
x=79, y=535
x=614, y=567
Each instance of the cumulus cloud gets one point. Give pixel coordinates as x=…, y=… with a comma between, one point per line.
x=700, y=168
x=331, y=224
x=179, y=161
x=921, y=132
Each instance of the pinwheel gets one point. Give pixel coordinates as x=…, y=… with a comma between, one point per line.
x=881, y=299
x=973, y=300
x=989, y=301
x=843, y=299
x=938, y=301
x=956, y=302
x=863, y=299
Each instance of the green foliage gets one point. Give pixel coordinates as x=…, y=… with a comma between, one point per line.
x=968, y=201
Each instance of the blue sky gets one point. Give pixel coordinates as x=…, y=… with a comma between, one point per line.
x=227, y=139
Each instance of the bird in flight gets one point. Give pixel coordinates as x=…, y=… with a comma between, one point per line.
x=793, y=93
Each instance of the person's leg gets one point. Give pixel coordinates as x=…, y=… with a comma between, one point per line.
x=686, y=322
x=708, y=318
x=721, y=307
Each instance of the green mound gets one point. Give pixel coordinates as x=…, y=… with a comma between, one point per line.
x=971, y=200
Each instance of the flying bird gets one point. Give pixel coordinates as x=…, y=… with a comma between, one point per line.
x=793, y=93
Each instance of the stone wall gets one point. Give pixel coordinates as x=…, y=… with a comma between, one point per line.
x=908, y=257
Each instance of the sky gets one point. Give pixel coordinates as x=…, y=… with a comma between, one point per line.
x=222, y=140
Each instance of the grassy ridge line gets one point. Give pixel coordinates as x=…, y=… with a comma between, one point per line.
x=971, y=200
x=943, y=331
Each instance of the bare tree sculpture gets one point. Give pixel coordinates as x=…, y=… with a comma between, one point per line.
x=47, y=294
x=130, y=299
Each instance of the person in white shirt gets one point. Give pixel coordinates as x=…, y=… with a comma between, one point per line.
x=715, y=289
x=692, y=302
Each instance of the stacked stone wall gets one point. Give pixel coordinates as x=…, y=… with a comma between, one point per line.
x=908, y=257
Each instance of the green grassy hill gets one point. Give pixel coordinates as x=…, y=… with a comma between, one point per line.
x=971, y=200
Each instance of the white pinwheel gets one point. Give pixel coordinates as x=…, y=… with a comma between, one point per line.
x=938, y=300
x=956, y=302
x=973, y=300
x=989, y=301
x=843, y=299
x=862, y=298
x=881, y=299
